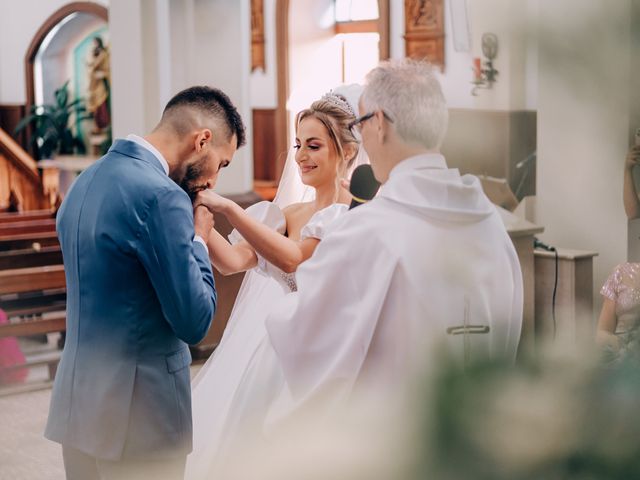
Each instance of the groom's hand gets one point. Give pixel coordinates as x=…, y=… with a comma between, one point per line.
x=202, y=222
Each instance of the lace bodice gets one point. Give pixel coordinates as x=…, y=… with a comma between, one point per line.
x=623, y=286
x=271, y=215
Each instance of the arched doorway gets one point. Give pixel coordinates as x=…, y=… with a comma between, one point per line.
x=59, y=54
x=53, y=22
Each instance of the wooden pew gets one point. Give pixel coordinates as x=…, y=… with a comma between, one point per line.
x=36, y=302
x=24, y=216
x=35, y=305
x=28, y=257
x=34, y=299
x=28, y=280
x=31, y=226
x=27, y=240
x=56, y=322
x=31, y=279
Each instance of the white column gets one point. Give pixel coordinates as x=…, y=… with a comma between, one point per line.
x=127, y=67
x=221, y=59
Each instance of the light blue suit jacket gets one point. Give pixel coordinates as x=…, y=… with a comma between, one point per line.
x=138, y=290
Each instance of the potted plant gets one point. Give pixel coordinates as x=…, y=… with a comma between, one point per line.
x=52, y=133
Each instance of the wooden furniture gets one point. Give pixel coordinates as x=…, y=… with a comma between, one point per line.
x=29, y=279
x=424, y=27
x=574, y=296
x=29, y=215
x=265, y=154
x=30, y=226
x=522, y=233
x=28, y=240
x=35, y=282
x=20, y=183
x=34, y=299
x=10, y=116
x=29, y=257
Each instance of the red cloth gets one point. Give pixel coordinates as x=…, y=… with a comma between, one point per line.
x=10, y=355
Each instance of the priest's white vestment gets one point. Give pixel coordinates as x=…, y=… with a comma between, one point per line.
x=428, y=262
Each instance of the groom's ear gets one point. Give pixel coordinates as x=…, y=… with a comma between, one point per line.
x=202, y=138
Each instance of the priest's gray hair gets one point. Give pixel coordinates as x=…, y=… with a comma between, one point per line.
x=410, y=94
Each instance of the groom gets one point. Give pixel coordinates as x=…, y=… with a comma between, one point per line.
x=139, y=289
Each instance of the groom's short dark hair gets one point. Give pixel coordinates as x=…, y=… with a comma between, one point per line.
x=210, y=102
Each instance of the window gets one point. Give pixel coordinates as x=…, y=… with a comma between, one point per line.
x=358, y=28
x=356, y=10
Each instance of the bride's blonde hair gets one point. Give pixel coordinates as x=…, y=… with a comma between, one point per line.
x=334, y=112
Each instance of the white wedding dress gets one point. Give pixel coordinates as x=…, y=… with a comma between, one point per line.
x=234, y=389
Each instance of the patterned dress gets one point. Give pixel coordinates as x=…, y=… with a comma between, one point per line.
x=623, y=287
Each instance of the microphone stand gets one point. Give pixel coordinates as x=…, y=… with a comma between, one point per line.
x=524, y=163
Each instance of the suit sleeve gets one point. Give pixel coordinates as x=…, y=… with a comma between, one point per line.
x=179, y=267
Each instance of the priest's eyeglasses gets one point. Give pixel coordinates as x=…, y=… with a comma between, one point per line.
x=356, y=125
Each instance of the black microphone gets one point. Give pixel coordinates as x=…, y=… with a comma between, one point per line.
x=543, y=246
x=363, y=186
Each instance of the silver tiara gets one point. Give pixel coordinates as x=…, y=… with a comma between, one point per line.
x=339, y=101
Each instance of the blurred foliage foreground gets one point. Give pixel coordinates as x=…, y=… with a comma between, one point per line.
x=565, y=413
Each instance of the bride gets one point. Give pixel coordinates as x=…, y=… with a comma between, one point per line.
x=234, y=389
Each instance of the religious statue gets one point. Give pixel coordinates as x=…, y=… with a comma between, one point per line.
x=99, y=85
x=424, y=13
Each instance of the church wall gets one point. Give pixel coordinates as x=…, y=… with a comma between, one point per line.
x=584, y=126
x=159, y=47
x=127, y=79
x=493, y=131
x=510, y=21
x=19, y=22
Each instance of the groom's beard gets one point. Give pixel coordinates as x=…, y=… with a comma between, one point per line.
x=189, y=179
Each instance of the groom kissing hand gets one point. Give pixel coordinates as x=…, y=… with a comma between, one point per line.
x=139, y=289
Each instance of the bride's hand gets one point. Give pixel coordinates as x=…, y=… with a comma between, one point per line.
x=213, y=201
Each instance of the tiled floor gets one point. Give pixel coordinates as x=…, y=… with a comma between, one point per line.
x=24, y=453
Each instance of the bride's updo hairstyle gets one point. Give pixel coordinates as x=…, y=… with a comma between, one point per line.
x=335, y=113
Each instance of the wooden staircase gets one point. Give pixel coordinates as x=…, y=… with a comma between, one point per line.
x=21, y=185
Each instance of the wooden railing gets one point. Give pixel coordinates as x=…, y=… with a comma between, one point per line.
x=20, y=182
